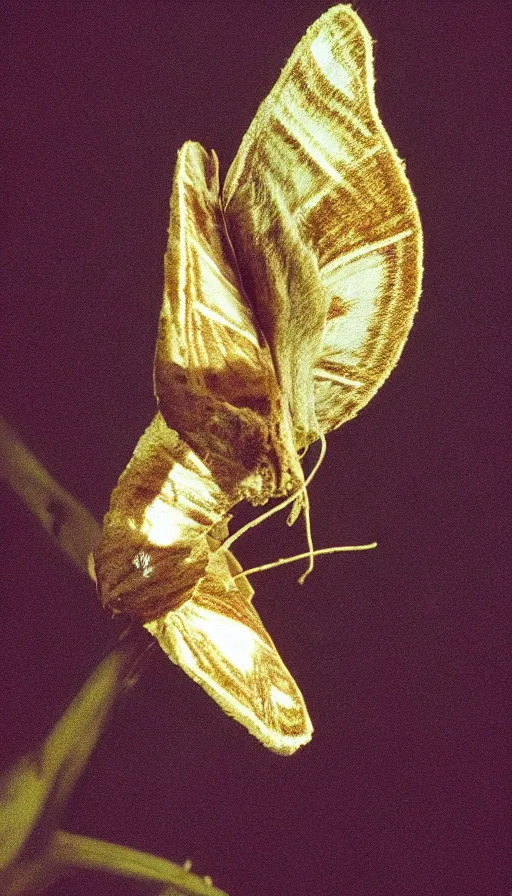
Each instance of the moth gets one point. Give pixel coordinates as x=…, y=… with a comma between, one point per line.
x=289, y=292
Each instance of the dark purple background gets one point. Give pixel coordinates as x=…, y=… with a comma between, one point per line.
x=401, y=653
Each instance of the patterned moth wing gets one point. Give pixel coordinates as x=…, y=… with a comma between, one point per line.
x=215, y=379
x=218, y=638
x=326, y=228
x=154, y=546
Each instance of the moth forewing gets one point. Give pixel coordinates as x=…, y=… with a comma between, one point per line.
x=219, y=640
x=206, y=326
x=373, y=267
x=154, y=544
x=214, y=374
x=316, y=163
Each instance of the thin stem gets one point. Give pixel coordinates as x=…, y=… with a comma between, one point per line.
x=74, y=851
x=67, y=853
x=77, y=533
x=67, y=522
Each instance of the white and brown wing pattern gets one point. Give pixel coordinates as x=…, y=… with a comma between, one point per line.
x=214, y=375
x=154, y=546
x=161, y=562
x=316, y=177
x=219, y=640
x=207, y=328
x=217, y=437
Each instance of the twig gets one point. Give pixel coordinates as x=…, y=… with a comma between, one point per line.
x=68, y=853
x=65, y=520
x=75, y=851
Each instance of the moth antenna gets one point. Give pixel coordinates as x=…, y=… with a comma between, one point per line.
x=140, y=648
x=283, y=560
x=263, y=516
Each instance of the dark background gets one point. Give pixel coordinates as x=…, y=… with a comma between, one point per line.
x=400, y=653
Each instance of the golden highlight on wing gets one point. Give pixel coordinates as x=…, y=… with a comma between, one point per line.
x=219, y=640
x=154, y=544
x=317, y=157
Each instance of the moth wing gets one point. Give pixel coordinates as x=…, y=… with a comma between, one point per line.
x=219, y=640
x=154, y=545
x=214, y=375
x=208, y=336
x=317, y=156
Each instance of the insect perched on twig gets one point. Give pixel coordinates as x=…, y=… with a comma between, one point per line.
x=289, y=294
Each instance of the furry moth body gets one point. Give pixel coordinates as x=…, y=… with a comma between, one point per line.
x=288, y=297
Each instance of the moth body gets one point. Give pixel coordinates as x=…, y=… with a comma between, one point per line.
x=289, y=292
